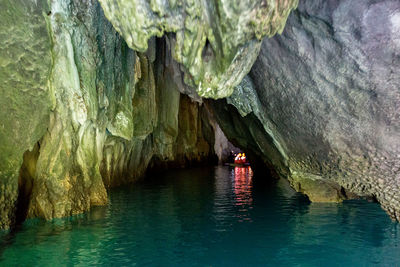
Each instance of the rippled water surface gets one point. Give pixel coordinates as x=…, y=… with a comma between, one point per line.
x=210, y=217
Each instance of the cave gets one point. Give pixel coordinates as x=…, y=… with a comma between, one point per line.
x=117, y=119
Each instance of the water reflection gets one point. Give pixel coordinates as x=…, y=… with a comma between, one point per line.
x=242, y=189
x=243, y=185
x=210, y=217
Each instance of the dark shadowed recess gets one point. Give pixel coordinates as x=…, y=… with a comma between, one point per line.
x=248, y=134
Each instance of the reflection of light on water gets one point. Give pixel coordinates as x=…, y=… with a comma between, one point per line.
x=242, y=187
x=233, y=196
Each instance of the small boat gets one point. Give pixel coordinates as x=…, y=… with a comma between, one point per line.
x=243, y=164
x=238, y=161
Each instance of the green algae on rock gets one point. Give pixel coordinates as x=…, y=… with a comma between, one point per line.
x=215, y=42
x=25, y=98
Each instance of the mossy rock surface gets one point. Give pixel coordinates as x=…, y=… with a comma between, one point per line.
x=25, y=98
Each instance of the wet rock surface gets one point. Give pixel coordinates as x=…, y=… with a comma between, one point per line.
x=25, y=63
x=88, y=111
x=216, y=42
x=327, y=93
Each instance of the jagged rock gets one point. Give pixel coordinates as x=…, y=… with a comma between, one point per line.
x=215, y=42
x=169, y=128
x=86, y=74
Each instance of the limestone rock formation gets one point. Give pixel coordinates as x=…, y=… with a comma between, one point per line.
x=84, y=108
x=25, y=98
x=326, y=94
x=216, y=42
x=81, y=111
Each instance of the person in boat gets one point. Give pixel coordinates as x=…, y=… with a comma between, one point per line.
x=240, y=158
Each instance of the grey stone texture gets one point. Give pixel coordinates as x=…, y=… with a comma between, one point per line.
x=327, y=92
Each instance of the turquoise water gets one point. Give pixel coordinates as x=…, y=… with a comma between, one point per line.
x=210, y=217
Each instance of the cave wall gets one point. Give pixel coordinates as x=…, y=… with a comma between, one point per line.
x=326, y=92
x=25, y=64
x=84, y=109
x=82, y=112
